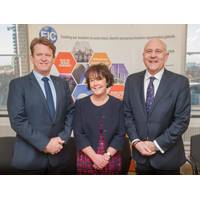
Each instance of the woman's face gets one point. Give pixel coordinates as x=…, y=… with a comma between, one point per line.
x=98, y=85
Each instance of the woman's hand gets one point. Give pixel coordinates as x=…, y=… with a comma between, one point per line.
x=99, y=161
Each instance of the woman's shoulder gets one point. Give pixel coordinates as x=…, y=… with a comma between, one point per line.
x=115, y=100
x=83, y=100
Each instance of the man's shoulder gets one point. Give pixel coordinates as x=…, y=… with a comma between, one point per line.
x=176, y=76
x=21, y=80
x=136, y=75
x=59, y=80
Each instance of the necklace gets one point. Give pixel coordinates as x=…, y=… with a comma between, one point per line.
x=99, y=102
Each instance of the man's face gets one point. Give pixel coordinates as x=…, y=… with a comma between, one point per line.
x=155, y=56
x=42, y=59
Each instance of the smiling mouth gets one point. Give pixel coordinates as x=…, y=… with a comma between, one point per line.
x=153, y=61
x=96, y=88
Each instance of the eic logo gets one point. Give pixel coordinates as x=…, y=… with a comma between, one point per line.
x=49, y=33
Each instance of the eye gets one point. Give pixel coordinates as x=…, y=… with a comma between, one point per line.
x=158, y=51
x=148, y=51
x=48, y=55
x=99, y=78
x=38, y=54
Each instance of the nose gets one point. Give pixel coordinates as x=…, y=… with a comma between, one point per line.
x=153, y=54
x=95, y=82
x=43, y=58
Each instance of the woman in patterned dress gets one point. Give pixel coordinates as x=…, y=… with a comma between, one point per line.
x=99, y=126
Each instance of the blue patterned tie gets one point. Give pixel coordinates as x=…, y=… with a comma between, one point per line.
x=150, y=94
x=49, y=97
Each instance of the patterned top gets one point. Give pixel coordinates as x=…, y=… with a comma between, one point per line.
x=85, y=165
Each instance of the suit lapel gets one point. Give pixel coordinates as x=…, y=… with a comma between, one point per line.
x=58, y=95
x=162, y=89
x=38, y=90
x=141, y=90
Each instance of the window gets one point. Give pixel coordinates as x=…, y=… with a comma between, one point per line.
x=193, y=65
x=9, y=61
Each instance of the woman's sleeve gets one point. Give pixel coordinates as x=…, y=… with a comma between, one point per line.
x=118, y=139
x=79, y=134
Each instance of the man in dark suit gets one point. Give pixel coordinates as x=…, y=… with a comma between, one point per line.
x=40, y=109
x=157, y=113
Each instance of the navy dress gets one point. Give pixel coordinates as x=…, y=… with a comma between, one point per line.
x=99, y=127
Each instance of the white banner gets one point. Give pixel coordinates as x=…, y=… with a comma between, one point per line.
x=118, y=46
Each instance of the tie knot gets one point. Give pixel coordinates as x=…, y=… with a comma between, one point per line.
x=152, y=78
x=45, y=79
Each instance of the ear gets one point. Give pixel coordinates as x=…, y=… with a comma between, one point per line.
x=31, y=58
x=166, y=56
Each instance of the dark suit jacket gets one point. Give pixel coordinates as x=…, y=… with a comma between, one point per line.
x=87, y=119
x=30, y=118
x=166, y=122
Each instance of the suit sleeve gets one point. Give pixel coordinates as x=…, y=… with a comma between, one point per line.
x=79, y=134
x=118, y=140
x=128, y=113
x=66, y=133
x=180, y=119
x=18, y=117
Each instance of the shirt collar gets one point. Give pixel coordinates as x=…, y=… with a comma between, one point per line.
x=39, y=76
x=158, y=76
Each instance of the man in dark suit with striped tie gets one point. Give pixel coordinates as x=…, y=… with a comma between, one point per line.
x=40, y=109
x=157, y=113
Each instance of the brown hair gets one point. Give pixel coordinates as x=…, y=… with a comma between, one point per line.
x=44, y=41
x=99, y=71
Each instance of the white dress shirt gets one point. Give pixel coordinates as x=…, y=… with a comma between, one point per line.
x=39, y=77
x=156, y=83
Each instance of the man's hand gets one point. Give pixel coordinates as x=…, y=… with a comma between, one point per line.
x=54, y=146
x=145, y=148
x=151, y=145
